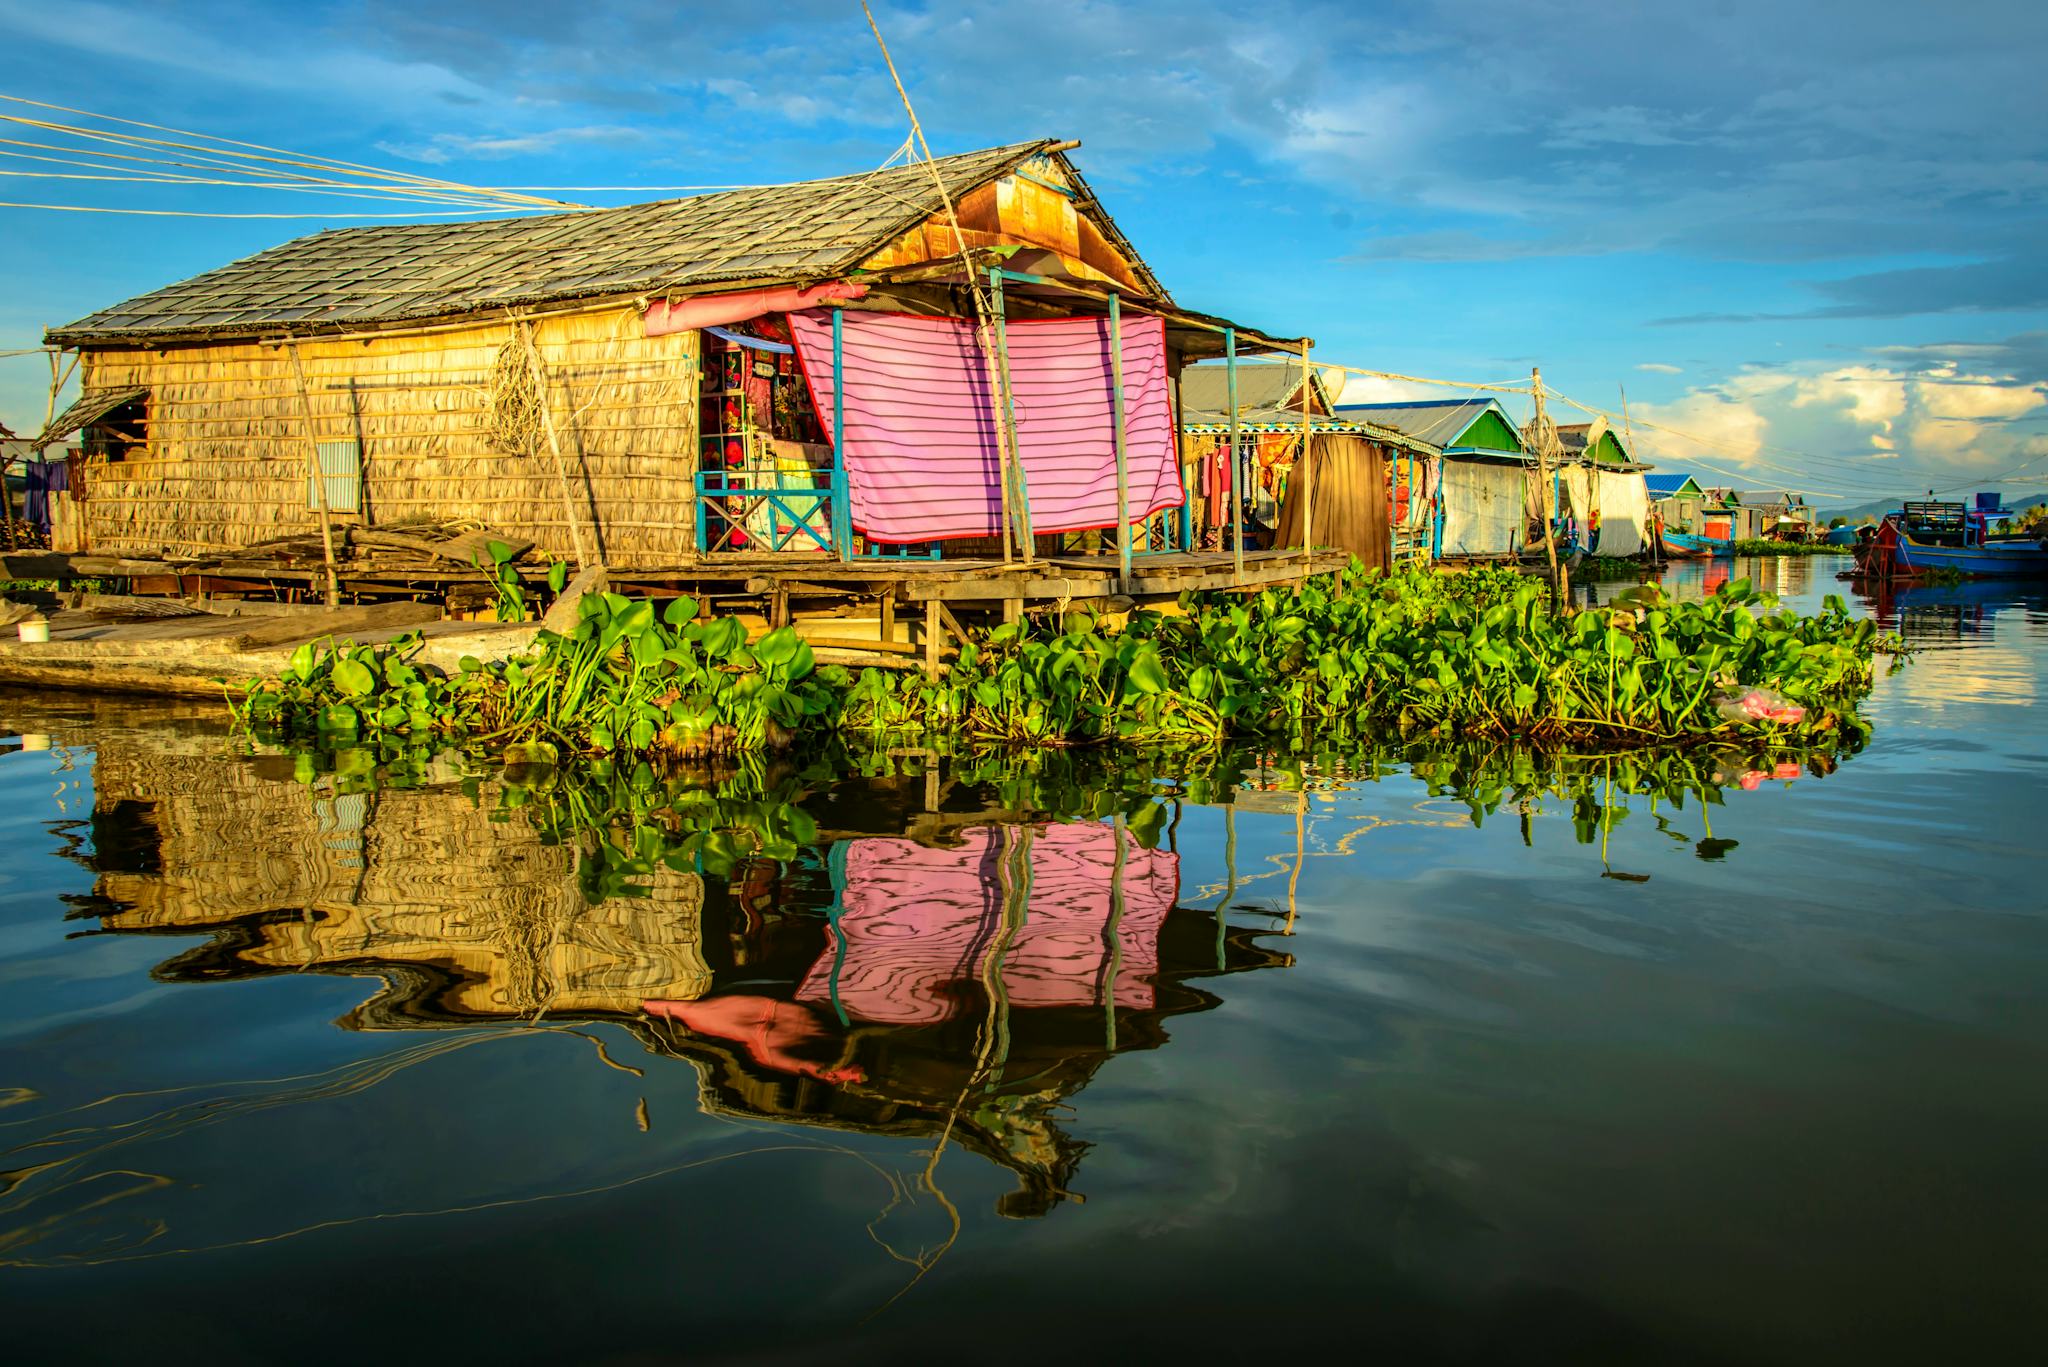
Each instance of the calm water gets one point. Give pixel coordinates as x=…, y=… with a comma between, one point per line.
x=938, y=1065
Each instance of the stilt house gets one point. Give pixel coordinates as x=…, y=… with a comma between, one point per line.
x=1372, y=483
x=1608, y=495
x=1483, y=481
x=833, y=369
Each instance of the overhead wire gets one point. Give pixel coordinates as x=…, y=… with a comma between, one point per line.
x=249, y=177
x=1694, y=438
x=257, y=152
x=204, y=213
x=193, y=181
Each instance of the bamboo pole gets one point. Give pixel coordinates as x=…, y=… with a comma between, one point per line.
x=1113, y=933
x=983, y=327
x=1653, y=524
x=842, y=506
x=1546, y=438
x=1123, y=469
x=59, y=377
x=1300, y=849
x=1308, y=478
x=318, y=476
x=1236, y=483
x=1027, y=543
x=547, y=423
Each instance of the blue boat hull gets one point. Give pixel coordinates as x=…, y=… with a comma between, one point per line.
x=1689, y=544
x=1994, y=560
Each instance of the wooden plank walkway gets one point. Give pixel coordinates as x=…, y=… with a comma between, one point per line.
x=849, y=611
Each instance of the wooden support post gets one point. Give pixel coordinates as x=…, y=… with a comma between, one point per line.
x=1308, y=477
x=1123, y=468
x=778, y=607
x=842, y=506
x=547, y=423
x=952, y=623
x=1015, y=485
x=931, y=638
x=317, y=475
x=1013, y=610
x=1236, y=478
x=888, y=613
x=1546, y=438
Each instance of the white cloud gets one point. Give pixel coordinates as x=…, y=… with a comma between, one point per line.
x=443, y=148
x=1848, y=429
x=1659, y=368
x=1875, y=397
x=1975, y=397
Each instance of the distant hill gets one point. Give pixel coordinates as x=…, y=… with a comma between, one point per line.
x=1873, y=511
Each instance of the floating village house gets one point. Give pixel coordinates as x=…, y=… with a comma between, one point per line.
x=832, y=370
x=1609, y=492
x=1483, y=476
x=1482, y=486
x=1678, y=500
x=1724, y=514
x=1371, y=482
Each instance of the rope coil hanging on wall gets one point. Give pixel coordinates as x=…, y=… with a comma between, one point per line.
x=512, y=414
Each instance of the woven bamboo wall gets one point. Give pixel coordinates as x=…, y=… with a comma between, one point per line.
x=418, y=878
x=226, y=463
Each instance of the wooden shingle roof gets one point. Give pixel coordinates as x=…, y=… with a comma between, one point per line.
x=351, y=278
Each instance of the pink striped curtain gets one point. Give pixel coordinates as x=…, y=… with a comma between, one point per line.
x=921, y=456
x=919, y=921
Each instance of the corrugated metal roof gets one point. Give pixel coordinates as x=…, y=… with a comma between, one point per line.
x=1439, y=421
x=1667, y=484
x=1261, y=385
x=367, y=277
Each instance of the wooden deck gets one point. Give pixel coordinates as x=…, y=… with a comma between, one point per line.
x=953, y=581
x=896, y=614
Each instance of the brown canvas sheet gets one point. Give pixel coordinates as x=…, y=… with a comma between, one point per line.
x=1350, y=498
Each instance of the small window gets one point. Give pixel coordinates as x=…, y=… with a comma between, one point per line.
x=120, y=432
x=341, y=466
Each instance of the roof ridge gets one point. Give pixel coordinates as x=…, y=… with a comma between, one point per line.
x=393, y=274
x=1416, y=403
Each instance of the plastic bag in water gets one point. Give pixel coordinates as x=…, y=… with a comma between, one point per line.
x=1758, y=704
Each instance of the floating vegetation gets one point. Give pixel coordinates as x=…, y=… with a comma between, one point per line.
x=623, y=682
x=1764, y=546
x=1477, y=656
x=1600, y=569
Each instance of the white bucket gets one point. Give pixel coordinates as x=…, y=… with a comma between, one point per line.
x=35, y=629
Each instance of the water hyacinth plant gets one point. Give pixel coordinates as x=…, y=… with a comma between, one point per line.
x=624, y=681
x=1477, y=655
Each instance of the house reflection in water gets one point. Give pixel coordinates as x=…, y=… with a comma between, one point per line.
x=873, y=983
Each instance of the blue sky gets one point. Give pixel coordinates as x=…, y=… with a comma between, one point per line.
x=1808, y=234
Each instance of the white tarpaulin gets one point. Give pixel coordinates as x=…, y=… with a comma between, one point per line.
x=1623, y=502
x=1482, y=502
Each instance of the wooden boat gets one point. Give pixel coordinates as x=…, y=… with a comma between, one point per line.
x=1691, y=546
x=1923, y=539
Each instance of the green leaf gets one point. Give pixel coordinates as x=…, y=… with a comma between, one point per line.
x=558, y=575
x=354, y=678
x=1146, y=674
x=679, y=611
x=777, y=647
x=339, y=717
